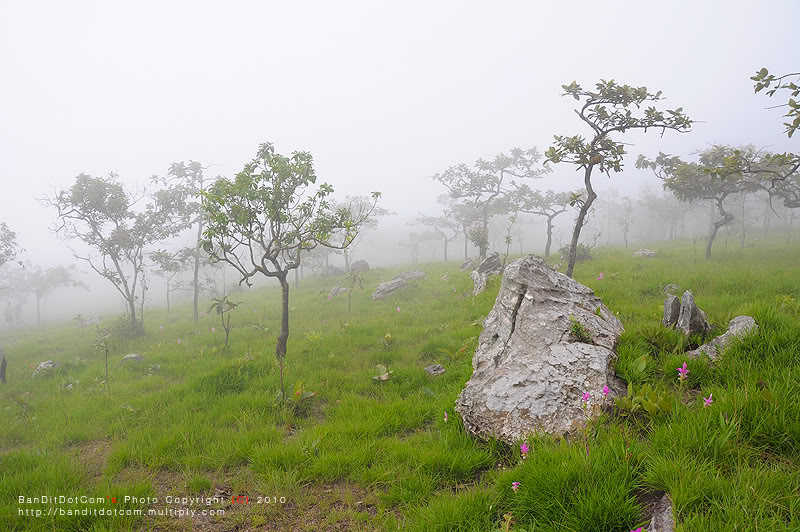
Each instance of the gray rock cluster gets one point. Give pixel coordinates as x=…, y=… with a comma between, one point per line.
x=529, y=373
x=688, y=317
x=737, y=328
x=645, y=253
x=132, y=357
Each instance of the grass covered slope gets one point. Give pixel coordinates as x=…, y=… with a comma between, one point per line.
x=195, y=419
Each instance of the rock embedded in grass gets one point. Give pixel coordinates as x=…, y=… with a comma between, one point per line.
x=529, y=373
x=737, y=328
x=468, y=265
x=478, y=282
x=434, y=369
x=45, y=367
x=645, y=253
x=672, y=309
x=691, y=320
x=132, y=357
x=663, y=519
x=491, y=265
x=388, y=288
x=412, y=275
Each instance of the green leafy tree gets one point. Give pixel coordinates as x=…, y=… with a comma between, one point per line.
x=112, y=222
x=715, y=177
x=223, y=305
x=608, y=110
x=262, y=220
x=548, y=204
x=466, y=215
x=487, y=185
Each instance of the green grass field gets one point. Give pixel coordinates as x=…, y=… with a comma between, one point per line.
x=194, y=419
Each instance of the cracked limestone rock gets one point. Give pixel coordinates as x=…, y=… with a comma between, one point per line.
x=529, y=371
x=737, y=327
x=478, y=282
x=388, y=288
x=691, y=320
x=672, y=309
x=663, y=519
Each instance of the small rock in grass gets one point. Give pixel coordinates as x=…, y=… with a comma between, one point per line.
x=435, y=369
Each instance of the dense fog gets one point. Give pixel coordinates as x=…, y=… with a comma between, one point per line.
x=384, y=99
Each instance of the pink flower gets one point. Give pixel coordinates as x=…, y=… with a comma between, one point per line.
x=637, y=530
x=600, y=277
x=682, y=372
x=179, y=341
x=707, y=400
x=524, y=450
x=605, y=391
x=586, y=397
x=445, y=417
x=515, y=486
x=398, y=309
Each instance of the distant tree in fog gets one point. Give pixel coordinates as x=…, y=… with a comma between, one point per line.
x=607, y=110
x=625, y=218
x=103, y=215
x=466, y=215
x=170, y=266
x=361, y=207
x=486, y=186
x=8, y=244
x=41, y=282
x=190, y=180
x=548, y=204
x=710, y=178
x=446, y=228
x=261, y=221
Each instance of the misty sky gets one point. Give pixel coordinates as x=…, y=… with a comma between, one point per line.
x=383, y=94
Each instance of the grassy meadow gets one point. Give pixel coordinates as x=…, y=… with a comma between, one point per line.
x=195, y=419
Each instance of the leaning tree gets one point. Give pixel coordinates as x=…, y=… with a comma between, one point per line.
x=112, y=223
x=487, y=185
x=609, y=109
x=548, y=204
x=713, y=178
x=261, y=221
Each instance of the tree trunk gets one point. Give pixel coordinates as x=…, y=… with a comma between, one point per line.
x=484, y=243
x=296, y=278
x=283, y=337
x=445, y=249
x=38, y=312
x=726, y=218
x=549, y=237
x=466, y=242
x=196, y=287
x=132, y=311
x=576, y=233
x=346, y=260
